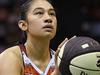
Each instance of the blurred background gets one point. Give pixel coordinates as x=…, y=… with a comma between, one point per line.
x=75, y=17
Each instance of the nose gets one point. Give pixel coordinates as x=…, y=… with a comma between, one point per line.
x=47, y=18
x=48, y=21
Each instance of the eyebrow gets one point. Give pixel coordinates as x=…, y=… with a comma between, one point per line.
x=39, y=8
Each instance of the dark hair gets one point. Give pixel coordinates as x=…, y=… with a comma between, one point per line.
x=24, y=9
x=25, y=6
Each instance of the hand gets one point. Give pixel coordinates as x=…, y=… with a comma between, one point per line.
x=56, y=71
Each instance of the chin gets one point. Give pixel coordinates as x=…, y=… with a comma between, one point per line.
x=51, y=37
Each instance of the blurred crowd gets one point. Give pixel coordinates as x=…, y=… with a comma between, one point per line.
x=90, y=18
x=10, y=33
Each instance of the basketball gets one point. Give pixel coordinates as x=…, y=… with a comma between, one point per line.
x=79, y=56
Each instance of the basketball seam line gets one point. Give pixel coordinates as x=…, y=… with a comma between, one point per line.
x=84, y=68
x=61, y=58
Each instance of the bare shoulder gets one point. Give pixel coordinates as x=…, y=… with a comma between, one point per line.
x=11, y=61
x=11, y=53
x=15, y=51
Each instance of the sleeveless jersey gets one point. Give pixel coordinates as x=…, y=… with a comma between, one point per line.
x=31, y=69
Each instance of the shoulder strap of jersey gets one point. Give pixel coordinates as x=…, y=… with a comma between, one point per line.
x=22, y=48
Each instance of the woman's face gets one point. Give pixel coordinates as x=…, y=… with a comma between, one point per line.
x=41, y=20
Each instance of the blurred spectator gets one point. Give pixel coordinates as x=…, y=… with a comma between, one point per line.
x=90, y=18
x=9, y=32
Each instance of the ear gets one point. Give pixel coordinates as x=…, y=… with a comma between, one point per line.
x=22, y=25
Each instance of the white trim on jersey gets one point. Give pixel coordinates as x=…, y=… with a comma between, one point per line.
x=51, y=63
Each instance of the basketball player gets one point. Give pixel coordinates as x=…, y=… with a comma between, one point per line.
x=34, y=57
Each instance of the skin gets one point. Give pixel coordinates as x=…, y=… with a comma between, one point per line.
x=40, y=14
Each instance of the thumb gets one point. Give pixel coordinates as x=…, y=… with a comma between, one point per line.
x=56, y=70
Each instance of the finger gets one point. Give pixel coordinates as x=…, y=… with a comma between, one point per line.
x=58, y=50
x=56, y=55
x=66, y=39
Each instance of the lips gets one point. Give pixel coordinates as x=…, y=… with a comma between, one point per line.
x=48, y=26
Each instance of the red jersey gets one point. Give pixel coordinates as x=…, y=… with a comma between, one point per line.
x=31, y=69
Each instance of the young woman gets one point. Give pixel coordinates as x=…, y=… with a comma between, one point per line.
x=38, y=20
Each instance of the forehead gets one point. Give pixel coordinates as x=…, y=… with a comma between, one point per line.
x=41, y=3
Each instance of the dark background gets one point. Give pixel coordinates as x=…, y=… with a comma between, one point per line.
x=75, y=17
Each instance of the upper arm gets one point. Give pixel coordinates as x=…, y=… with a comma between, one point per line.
x=10, y=64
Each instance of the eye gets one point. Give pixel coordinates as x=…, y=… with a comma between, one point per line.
x=52, y=13
x=38, y=13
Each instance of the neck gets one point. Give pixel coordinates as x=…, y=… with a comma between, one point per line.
x=37, y=49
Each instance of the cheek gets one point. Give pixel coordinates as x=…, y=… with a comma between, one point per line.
x=34, y=26
x=34, y=23
x=33, y=20
x=55, y=24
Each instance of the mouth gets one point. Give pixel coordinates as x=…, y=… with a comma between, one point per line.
x=48, y=27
